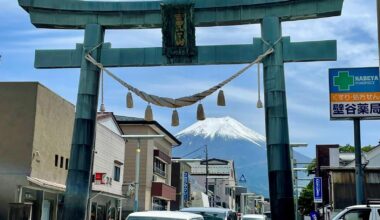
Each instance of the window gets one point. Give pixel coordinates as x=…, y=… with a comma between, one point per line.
x=357, y=214
x=116, y=173
x=56, y=160
x=67, y=164
x=61, y=164
x=159, y=167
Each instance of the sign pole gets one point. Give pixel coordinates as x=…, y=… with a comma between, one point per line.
x=79, y=174
x=378, y=27
x=358, y=164
x=276, y=121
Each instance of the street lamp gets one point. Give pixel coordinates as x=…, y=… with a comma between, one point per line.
x=294, y=173
x=137, y=164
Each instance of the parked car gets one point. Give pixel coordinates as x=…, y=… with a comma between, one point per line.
x=163, y=215
x=211, y=213
x=360, y=212
x=254, y=217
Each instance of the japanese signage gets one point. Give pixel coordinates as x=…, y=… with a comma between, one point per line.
x=186, y=187
x=354, y=93
x=178, y=32
x=102, y=179
x=317, y=189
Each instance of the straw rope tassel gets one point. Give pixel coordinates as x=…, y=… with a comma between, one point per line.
x=200, y=112
x=259, y=102
x=129, y=100
x=221, y=99
x=102, y=106
x=148, y=113
x=175, y=118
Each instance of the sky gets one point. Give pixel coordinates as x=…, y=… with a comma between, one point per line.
x=306, y=83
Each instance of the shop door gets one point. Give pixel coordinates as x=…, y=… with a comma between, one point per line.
x=101, y=212
x=45, y=215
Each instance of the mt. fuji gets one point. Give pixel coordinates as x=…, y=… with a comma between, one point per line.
x=229, y=139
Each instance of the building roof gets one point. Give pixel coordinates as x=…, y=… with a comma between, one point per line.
x=125, y=120
x=104, y=115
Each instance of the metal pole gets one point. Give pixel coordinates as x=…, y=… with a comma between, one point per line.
x=206, y=170
x=137, y=177
x=276, y=120
x=83, y=141
x=378, y=26
x=358, y=164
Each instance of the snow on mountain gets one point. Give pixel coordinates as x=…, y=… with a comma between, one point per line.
x=227, y=128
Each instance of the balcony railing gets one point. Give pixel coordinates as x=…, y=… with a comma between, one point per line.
x=159, y=172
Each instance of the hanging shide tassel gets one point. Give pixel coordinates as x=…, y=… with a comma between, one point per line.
x=175, y=118
x=221, y=99
x=102, y=108
x=129, y=100
x=148, y=113
x=259, y=102
x=200, y=113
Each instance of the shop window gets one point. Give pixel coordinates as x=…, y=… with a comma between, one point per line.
x=116, y=173
x=159, y=167
x=56, y=160
x=61, y=164
x=67, y=164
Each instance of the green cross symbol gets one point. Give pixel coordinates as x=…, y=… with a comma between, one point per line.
x=344, y=81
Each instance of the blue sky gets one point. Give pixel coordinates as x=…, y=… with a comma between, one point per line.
x=307, y=83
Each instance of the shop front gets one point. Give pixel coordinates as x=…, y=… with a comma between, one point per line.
x=105, y=206
x=162, y=194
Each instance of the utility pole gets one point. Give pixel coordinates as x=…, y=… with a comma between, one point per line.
x=206, y=170
x=358, y=164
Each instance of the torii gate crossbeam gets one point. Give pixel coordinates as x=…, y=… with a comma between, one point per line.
x=96, y=17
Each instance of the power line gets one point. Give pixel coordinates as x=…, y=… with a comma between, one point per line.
x=193, y=151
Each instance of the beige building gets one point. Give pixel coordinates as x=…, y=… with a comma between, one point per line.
x=36, y=129
x=35, y=142
x=155, y=191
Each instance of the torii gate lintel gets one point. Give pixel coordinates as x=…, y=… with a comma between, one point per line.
x=207, y=55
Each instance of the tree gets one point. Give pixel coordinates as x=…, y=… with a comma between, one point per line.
x=351, y=149
x=306, y=199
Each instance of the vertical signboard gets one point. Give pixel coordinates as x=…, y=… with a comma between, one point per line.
x=186, y=187
x=317, y=189
x=354, y=93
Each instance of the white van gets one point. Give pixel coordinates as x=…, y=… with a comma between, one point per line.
x=163, y=215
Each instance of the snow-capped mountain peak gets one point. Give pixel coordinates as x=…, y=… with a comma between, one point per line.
x=225, y=127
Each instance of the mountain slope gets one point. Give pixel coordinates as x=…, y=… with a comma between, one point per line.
x=227, y=138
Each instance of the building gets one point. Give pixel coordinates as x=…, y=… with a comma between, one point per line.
x=36, y=130
x=221, y=180
x=338, y=175
x=181, y=178
x=155, y=190
x=107, y=196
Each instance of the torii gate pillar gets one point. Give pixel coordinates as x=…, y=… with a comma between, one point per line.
x=276, y=120
x=82, y=148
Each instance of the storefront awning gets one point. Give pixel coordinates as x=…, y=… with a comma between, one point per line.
x=163, y=191
x=46, y=184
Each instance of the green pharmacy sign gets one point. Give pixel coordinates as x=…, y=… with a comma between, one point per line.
x=354, y=93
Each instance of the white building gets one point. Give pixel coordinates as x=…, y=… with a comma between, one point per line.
x=106, y=197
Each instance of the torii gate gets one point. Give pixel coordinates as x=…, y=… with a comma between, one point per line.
x=95, y=17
